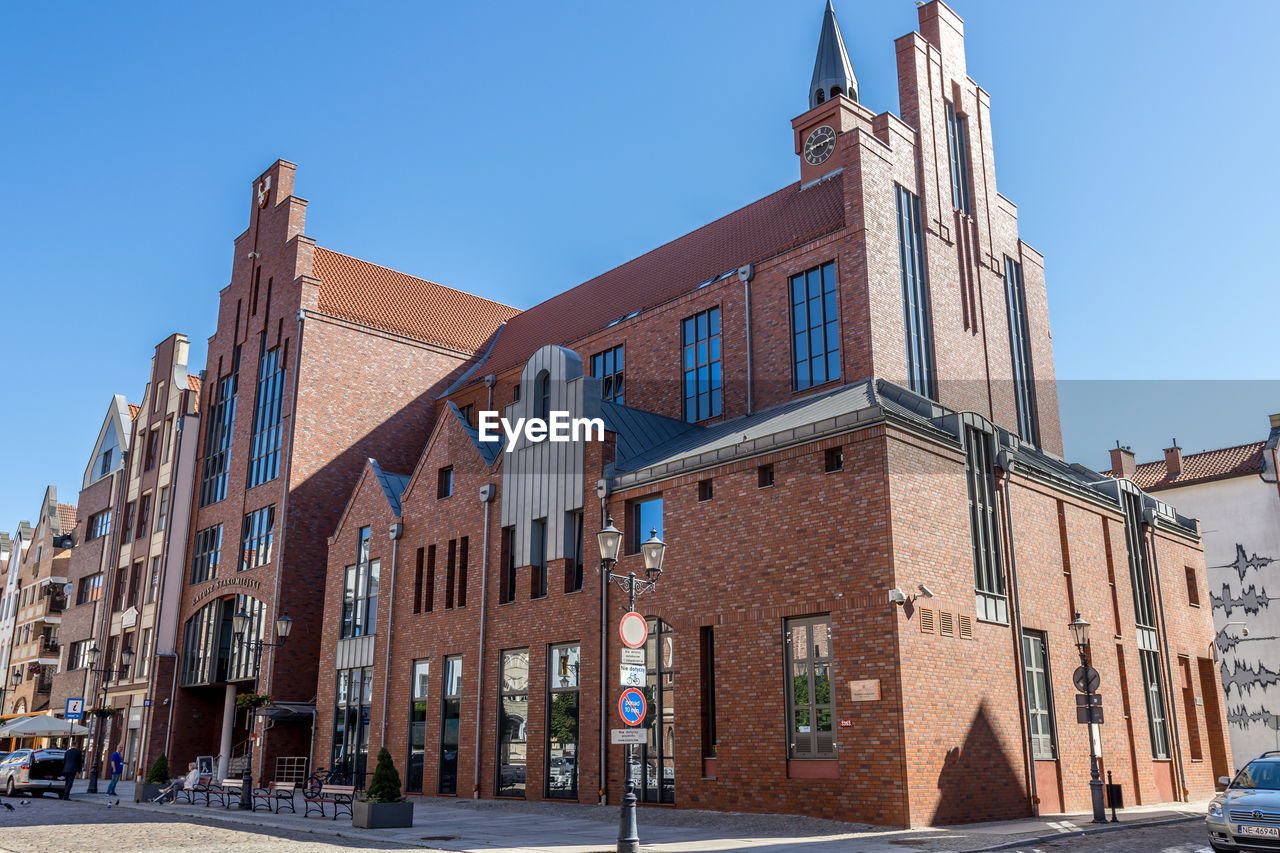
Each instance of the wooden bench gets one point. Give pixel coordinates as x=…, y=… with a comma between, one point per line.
x=340, y=795
x=275, y=796
x=201, y=789
x=228, y=793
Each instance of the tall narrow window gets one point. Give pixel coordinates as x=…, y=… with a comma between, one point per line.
x=429, y=588
x=538, y=556
x=153, y=448
x=463, y=544
x=1139, y=573
x=958, y=143
x=1024, y=389
x=354, y=696
x=1035, y=661
x=135, y=583
x=655, y=773
x=264, y=447
x=607, y=367
x=988, y=575
x=444, y=483
x=1153, y=690
x=421, y=674
x=513, y=723
x=915, y=296
x=573, y=551
x=417, y=581
x=450, y=574
x=126, y=523
x=162, y=509
x=256, y=534
x=708, y=691
x=206, y=554
x=217, y=437
x=144, y=515
x=450, y=718
x=809, y=701
x=562, y=722
x=815, y=327
x=153, y=581
x=542, y=400
x=701, y=364
x=360, y=592
x=507, y=589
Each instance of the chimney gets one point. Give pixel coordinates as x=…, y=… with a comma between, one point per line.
x=1275, y=421
x=1122, y=461
x=1173, y=459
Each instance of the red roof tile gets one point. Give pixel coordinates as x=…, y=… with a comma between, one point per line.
x=1219, y=464
x=774, y=224
x=193, y=382
x=67, y=517
x=133, y=410
x=375, y=296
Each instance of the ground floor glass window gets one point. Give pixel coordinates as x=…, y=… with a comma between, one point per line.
x=417, y=726
x=350, y=753
x=653, y=766
x=513, y=723
x=562, y=723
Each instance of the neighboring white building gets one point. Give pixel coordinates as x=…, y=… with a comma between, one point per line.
x=1235, y=494
x=9, y=605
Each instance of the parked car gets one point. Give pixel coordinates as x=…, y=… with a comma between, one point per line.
x=1247, y=813
x=32, y=771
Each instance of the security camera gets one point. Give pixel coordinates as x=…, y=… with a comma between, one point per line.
x=897, y=596
x=925, y=592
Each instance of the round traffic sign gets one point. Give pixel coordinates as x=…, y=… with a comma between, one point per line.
x=633, y=630
x=1086, y=679
x=632, y=706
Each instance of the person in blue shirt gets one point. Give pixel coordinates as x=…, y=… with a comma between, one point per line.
x=117, y=770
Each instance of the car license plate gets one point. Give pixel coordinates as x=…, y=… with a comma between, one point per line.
x=1260, y=831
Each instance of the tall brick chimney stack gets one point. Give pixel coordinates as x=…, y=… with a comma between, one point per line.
x=1173, y=459
x=1123, y=463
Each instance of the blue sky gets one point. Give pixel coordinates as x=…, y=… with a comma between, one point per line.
x=1133, y=137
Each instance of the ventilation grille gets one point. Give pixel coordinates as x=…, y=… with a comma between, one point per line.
x=966, y=627
x=946, y=624
x=926, y=621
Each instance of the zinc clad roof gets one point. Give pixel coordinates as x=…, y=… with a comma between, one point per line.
x=776, y=223
x=1218, y=464
x=375, y=296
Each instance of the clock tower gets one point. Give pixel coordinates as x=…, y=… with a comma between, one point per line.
x=833, y=104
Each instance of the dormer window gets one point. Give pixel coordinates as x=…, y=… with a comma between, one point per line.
x=542, y=395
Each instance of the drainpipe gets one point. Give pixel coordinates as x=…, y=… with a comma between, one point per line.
x=487, y=493
x=397, y=530
x=1005, y=462
x=1149, y=517
x=745, y=275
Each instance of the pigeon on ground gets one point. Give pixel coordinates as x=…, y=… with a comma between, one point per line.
x=7, y=806
x=24, y=803
x=109, y=804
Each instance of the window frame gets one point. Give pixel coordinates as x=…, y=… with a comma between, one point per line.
x=917, y=313
x=708, y=391
x=608, y=367
x=1042, y=729
x=506, y=738
x=827, y=300
x=812, y=707
x=566, y=653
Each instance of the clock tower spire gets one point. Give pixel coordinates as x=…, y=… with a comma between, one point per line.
x=832, y=71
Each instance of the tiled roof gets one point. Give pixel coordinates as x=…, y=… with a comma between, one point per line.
x=133, y=410
x=778, y=222
x=67, y=517
x=375, y=296
x=193, y=382
x=1218, y=464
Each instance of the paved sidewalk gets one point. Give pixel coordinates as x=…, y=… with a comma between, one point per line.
x=505, y=826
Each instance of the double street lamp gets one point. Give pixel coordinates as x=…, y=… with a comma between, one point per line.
x=104, y=676
x=1080, y=635
x=652, y=550
x=240, y=626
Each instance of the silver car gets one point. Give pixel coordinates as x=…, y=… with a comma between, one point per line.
x=32, y=771
x=1246, y=816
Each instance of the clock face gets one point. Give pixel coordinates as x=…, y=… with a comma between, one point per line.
x=819, y=145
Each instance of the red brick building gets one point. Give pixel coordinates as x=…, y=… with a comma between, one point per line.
x=837, y=407
x=319, y=361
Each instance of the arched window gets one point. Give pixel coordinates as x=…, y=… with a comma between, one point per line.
x=542, y=395
x=820, y=97
x=835, y=90
x=20, y=707
x=653, y=768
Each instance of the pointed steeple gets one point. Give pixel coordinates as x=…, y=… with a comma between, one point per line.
x=832, y=72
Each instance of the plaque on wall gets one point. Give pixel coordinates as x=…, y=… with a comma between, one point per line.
x=866, y=690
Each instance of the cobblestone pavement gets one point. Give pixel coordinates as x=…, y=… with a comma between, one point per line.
x=48, y=825
x=1186, y=837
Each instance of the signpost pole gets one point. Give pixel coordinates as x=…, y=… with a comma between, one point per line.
x=628, y=830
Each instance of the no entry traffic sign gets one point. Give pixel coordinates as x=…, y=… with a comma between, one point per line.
x=633, y=630
x=632, y=706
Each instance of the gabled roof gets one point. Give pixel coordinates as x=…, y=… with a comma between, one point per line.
x=393, y=485
x=489, y=450
x=375, y=296
x=776, y=223
x=1239, y=461
x=67, y=518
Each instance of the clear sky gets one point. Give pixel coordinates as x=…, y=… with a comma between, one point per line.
x=514, y=149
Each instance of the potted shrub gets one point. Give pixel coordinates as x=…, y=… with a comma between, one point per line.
x=156, y=779
x=382, y=806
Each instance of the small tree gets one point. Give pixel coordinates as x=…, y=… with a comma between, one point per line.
x=384, y=787
x=159, y=774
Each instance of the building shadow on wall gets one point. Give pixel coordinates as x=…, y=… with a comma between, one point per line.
x=979, y=780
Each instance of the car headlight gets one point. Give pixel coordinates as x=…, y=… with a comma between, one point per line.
x=1215, y=809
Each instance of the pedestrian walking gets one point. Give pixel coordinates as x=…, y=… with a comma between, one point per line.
x=117, y=770
x=72, y=761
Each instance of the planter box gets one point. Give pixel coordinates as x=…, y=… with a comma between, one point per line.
x=381, y=815
x=145, y=793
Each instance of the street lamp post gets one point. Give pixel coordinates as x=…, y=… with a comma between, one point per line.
x=14, y=678
x=1080, y=634
x=652, y=550
x=240, y=626
x=104, y=676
